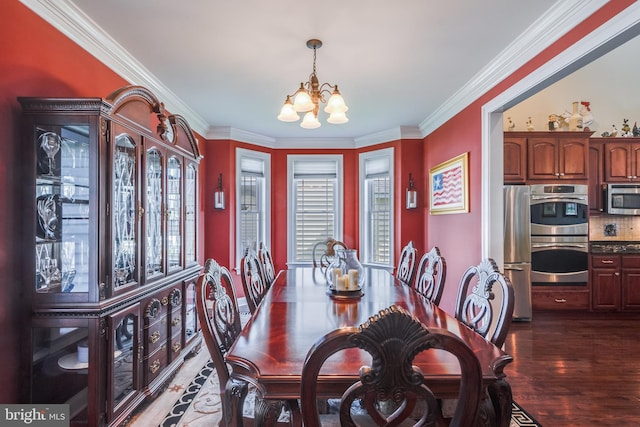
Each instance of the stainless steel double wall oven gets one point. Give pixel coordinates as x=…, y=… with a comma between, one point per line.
x=559, y=234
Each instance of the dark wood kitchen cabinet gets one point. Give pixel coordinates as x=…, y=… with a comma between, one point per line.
x=560, y=297
x=111, y=203
x=596, y=177
x=515, y=159
x=621, y=159
x=554, y=156
x=615, y=282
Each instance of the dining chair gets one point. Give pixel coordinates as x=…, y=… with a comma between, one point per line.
x=391, y=391
x=479, y=307
x=253, y=282
x=264, y=255
x=324, y=251
x=219, y=317
x=406, y=269
x=432, y=272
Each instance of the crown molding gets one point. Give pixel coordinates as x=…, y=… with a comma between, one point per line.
x=225, y=132
x=394, y=134
x=552, y=25
x=67, y=18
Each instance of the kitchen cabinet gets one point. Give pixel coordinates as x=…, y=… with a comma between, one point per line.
x=558, y=156
x=615, y=282
x=515, y=159
x=621, y=159
x=560, y=297
x=111, y=199
x=596, y=177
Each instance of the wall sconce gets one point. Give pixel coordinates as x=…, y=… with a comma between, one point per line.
x=218, y=195
x=412, y=194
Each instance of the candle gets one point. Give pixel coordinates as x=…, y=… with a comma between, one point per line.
x=342, y=283
x=337, y=272
x=353, y=279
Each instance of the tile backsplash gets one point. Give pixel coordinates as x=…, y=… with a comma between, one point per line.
x=614, y=227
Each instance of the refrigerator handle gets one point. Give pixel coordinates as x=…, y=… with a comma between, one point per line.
x=513, y=269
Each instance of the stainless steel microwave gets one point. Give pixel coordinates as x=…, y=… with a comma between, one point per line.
x=623, y=199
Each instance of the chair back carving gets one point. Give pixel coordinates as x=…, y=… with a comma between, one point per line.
x=253, y=281
x=432, y=272
x=264, y=255
x=324, y=252
x=477, y=306
x=218, y=314
x=392, y=390
x=406, y=269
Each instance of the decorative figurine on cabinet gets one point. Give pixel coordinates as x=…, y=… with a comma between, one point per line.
x=529, y=124
x=511, y=126
x=636, y=131
x=587, y=117
x=553, y=122
x=614, y=131
x=626, y=129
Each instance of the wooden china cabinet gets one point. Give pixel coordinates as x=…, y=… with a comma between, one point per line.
x=113, y=252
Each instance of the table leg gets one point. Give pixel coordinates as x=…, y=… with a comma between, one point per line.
x=267, y=412
x=501, y=398
x=234, y=395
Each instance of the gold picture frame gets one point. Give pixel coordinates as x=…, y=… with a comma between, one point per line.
x=449, y=186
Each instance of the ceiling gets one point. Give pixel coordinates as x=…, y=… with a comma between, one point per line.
x=228, y=66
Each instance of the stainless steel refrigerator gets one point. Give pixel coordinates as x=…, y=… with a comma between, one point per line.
x=517, y=247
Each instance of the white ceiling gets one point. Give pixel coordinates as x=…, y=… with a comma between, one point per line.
x=402, y=67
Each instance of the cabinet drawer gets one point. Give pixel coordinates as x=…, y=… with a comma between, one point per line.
x=155, y=335
x=175, y=322
x=631, y=261
x=608, y=261
x=175, y=347
x=560, y=300
x=155, y=363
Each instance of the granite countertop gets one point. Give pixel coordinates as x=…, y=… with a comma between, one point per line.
x=614, y=247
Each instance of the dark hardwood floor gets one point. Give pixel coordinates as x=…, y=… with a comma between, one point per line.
x=577, y=369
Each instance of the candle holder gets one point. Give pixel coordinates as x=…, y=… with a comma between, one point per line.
x=345, y=275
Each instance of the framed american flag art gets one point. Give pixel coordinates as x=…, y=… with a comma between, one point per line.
x=449, y=186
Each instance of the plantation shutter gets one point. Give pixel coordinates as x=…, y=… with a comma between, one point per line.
x=315, y=204
x=378, y=187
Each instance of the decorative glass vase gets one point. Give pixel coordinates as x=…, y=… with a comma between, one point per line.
x=345, y=273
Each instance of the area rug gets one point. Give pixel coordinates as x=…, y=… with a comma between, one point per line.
x=200, y=404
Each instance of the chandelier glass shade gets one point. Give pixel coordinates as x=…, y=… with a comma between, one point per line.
x=308, y=97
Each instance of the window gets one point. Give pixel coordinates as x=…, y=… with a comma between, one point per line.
x=252, y=223
x=376, y=201
x=315, y=203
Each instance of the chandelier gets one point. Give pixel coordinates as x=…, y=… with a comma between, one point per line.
x=309, y=96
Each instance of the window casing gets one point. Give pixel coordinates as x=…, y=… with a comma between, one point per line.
x=253, y=195
x=315, y=203
x=376, y=212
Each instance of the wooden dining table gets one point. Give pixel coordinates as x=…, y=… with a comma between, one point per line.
x=298, y=310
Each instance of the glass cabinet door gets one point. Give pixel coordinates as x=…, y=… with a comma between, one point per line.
x=153, y=214
x=123, y=366
x=174, y=214
x=124, y=212
x=190, y=183
x=62, y=209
